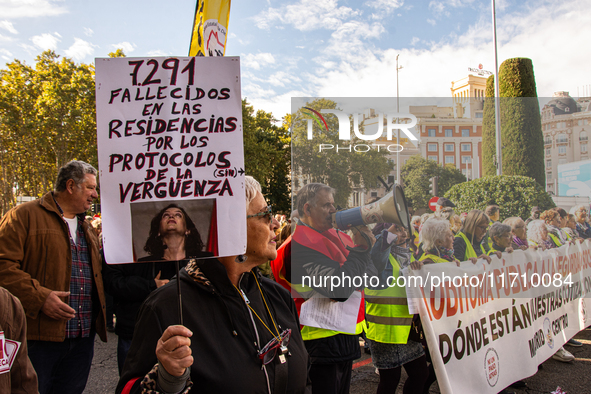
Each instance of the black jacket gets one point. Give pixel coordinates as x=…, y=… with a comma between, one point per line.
x=460, y=247
x=224, y=341
x=130, y=284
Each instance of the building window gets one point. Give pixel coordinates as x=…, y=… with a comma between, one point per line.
x=465, y=147
x=449, y=147
x=434, y=158
x=432, y=147
x=548, y=151
x=548, y=163
x=583, y=136
x=431, y=132
x=548, y=176
x=449, y=159
x=478, y=115
x=548, y=140
x=390, y=179
x=583, y=148
x=464, y=171
x=466, y=159
x=562, y=150
x=449, y=132
x=374, y=194
x=562, y=138
x=465, y=132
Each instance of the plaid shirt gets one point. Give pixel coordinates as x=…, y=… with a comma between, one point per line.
x=80, y=286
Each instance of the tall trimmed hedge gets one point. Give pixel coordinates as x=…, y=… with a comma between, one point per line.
x=521, y=125
x=515, y=195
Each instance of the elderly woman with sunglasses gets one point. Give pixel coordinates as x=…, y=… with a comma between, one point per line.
x=241, y=330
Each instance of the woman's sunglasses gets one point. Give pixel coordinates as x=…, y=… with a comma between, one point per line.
x=267, y=213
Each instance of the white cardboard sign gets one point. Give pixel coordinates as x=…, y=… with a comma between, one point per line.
x=169, y=130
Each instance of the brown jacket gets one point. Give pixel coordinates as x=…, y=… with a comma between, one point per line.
x=35, y=259
x=22, y=378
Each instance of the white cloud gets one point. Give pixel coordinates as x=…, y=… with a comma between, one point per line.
x=46, y=41
x=88, y=31
x=385, y=5
x=414, y=41
x=127, y=47
x=431, y=22
x=4, y=38
x=157, y=52
x=257, y=60
x=306, y=15
x=12, y=9
x=6, y=54
x=79, y=49
x=6, y=25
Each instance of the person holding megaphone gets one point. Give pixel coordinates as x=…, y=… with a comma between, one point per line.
x=319, y=251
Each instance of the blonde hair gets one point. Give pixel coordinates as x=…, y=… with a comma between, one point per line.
x=474, y=217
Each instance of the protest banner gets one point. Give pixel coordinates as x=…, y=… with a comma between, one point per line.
x=169, y=130
x=488, y=326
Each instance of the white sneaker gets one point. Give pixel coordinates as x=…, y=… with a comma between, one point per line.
x=563, y=355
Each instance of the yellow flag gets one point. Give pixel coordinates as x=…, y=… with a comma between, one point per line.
x=210, y=28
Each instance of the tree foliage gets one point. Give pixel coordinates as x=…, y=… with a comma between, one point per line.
x=342, y=170
x=267, y=155
x=521, y=126
x=416, y=174
x=47, y=118
x=515, y=195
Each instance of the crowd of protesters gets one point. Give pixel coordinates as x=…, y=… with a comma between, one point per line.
x=241, y=330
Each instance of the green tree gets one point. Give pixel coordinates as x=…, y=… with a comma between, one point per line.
x=416, y=174
x=343, y=169
x=515, y=195
x=267, y=155
x=47, y=118
x=521, y=127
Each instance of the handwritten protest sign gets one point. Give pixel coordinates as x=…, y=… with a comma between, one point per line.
x=169, y=130
x=488, y=326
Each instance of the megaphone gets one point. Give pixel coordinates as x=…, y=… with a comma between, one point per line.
x=391, y=208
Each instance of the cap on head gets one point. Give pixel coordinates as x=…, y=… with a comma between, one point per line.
x=445, y=202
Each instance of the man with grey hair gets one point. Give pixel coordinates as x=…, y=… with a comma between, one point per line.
x=320, y=253
x=49, y=259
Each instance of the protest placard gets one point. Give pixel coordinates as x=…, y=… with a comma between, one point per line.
x=169, y=131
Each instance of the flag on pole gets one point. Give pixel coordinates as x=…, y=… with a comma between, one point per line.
x=210, y=28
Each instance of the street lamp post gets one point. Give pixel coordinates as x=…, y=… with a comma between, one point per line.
x=398, y=121
x=497, y=98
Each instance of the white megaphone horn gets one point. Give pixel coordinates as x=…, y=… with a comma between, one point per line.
x=391, y=208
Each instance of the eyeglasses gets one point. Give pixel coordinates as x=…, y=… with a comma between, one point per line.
x=267, y=213
x=268, y=353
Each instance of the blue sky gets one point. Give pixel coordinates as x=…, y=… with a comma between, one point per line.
x=322, y=47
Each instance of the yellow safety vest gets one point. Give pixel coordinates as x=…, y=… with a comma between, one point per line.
x=308, y=332
x=555, y=239
x=386, y=313
x=492, y=251
x=435, y=258
x=470, y=252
